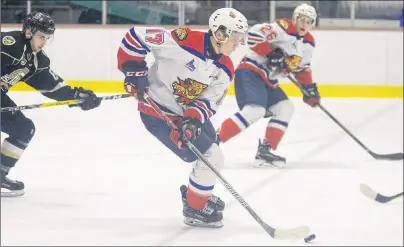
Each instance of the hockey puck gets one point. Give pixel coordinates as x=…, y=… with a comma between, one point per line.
x=309, y=238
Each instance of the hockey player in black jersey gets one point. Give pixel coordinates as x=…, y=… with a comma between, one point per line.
x=22, y=60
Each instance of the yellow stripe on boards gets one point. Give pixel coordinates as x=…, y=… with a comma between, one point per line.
x=326, y=90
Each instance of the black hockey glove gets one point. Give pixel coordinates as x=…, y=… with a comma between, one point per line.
x=311, y=96
x=136, y=82
x=276, y=60
x=91, y=100
x=188, y=130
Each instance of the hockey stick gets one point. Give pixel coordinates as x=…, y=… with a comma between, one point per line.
x=393, y=156
x=279, y=234
x=369, y=192
x=60, y=103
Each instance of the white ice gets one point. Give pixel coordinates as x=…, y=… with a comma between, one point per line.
x=99, y=178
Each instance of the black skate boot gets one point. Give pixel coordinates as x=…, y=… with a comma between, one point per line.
x=206, y=217
x=264, y=157
x=214, y=202
x=10, y=188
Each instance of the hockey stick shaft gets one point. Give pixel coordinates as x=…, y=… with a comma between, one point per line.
x=394, y=156
x=60, y=103
x=274, y=233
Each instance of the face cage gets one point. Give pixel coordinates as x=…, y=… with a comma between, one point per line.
x=304, y=19
x=228, y=34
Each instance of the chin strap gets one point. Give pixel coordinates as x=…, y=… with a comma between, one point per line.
x=211, y=53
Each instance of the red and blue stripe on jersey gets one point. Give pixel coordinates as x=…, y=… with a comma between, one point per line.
x=131, y=48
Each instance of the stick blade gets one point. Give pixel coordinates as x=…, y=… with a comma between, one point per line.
x=395, y=156
x=292, y=234
x=368, y=192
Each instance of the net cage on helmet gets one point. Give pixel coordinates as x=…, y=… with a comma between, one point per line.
x=38, y=21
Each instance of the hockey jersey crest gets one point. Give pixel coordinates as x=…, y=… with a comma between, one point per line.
x=186, y=91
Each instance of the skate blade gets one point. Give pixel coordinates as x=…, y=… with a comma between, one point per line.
x=264, y=164
x=198, y=223
x=14, y=193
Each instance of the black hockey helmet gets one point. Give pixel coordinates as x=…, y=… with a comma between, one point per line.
x=38, y=21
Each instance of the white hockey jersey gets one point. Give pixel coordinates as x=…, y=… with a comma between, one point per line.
x=264, y=37
x=184, y=81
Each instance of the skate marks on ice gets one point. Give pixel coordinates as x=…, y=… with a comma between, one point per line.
x=244, y=158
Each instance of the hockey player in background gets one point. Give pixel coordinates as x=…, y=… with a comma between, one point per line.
x=275, y=50
x=188, y=82
x=22, y=59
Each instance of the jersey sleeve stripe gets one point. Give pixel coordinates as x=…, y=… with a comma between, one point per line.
x=194, y=111
x=207, y=103
x=133, y=34
x=256, y=35
x=255, y=39
x=132, y=50
x=132, y=41
x=203, y=107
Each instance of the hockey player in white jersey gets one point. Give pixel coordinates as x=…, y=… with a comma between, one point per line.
x=275, y=50
x=188, y=82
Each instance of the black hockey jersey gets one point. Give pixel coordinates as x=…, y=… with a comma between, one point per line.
x=20, y=64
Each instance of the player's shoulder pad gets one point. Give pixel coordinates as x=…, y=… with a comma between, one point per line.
x=226, y=64
x=309, y=39
x=189, y=38
x=287, y=26
x=11, y=38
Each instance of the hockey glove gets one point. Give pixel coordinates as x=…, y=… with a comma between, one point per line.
x=136, y=82
x=311, y=96
x=276, y=60
x=188, y=130
x=91, y=100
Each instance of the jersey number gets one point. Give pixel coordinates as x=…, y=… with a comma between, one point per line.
x=155, y=36
x=269, y=33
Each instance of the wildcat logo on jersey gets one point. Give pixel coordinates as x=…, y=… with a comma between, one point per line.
x=181, y=34
x=292, y=62
x=187, y=90
x=284, y=24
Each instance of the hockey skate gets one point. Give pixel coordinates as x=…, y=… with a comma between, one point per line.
x=214, y=202
x=264, y=157
x=206, y=217
x=10, y=188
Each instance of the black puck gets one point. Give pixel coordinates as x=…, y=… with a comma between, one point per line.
x=309, y=238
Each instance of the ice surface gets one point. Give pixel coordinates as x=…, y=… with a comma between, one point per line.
x=99, y=178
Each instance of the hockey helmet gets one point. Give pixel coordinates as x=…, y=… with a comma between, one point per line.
x=306, y=12
x=38, y=21
x=228, y=20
